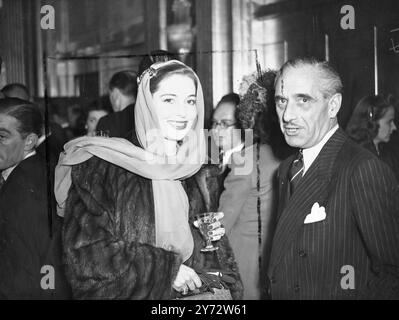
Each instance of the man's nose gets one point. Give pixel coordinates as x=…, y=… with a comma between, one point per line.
x=394, y=126
x=289, y=112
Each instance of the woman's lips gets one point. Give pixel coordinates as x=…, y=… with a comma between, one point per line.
x=178, y=125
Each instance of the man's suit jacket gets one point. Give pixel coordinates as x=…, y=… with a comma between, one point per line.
x=119, y=124
x=25, y=242
x=361, y=229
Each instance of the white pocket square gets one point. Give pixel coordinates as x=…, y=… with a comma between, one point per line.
x=316, y=214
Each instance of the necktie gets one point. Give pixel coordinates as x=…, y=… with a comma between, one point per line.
x=2, y=181
x=296, y=171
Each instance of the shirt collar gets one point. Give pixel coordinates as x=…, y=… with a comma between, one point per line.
x=40, y=140
x=227, y=154
x=6, y=173
x=310, y=154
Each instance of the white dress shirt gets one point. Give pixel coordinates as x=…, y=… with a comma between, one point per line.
x=310, y=154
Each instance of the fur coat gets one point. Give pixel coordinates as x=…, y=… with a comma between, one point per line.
x=109, y=236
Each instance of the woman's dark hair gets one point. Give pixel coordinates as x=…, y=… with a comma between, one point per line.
x=257, y=111
x=153, y=57
x=170, y=70
x=363, y=124
x=232, y=98
x=28, y=115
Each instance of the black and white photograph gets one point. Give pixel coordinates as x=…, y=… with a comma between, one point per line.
x=222, y=151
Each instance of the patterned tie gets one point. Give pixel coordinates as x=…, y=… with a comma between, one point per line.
x=296, y=171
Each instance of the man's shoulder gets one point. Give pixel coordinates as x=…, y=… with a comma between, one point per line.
x=118, y=123
x=30, y=169
x=354, y=155
x=28, y=178
x=106, y=120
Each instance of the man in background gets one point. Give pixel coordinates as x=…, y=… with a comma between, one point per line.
x=30, y=244
x=122, y=94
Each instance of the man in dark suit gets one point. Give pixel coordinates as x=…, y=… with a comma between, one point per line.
x=122, y=93
x=337, y=233
x=30, y=246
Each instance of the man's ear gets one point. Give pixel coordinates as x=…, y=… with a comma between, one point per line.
x=334, y=104
x=30, y=142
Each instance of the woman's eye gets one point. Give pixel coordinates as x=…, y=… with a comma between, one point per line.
x=192, y=102
x=304, y=100
x=168, y=100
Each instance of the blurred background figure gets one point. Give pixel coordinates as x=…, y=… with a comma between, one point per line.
x=16, y=90
x=226, y=133
x=372, y=124
x=95, y=112
x=226, y=136
x=248, y=199
x=122, y=94
x=60, y=117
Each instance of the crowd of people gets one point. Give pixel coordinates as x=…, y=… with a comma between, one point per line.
x=113, y=213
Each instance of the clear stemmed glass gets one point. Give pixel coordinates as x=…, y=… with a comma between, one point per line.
x=204, y=220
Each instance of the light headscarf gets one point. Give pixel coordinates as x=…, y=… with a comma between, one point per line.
x=170, y=200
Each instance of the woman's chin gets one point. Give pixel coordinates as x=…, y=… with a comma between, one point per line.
x=176, y=136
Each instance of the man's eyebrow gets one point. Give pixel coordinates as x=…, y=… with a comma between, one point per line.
x=279, y=96
x=304, y=95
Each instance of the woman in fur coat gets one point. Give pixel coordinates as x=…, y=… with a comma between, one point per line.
x=128, y=218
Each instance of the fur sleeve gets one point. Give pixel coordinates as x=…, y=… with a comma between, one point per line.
x=223, y=259
x=109, y=237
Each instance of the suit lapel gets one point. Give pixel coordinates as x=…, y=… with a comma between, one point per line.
x=313, y=187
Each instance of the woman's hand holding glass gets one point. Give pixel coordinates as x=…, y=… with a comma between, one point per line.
x=216, y=230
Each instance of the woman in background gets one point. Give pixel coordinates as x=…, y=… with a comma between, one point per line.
x=248, y=199
x=372, y=124
x=95, y=112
